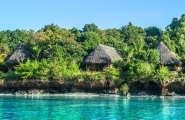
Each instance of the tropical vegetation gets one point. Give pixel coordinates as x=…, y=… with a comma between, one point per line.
x=58, y=53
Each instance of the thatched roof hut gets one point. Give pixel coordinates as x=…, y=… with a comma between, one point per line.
x=21, y=54
x=166, y=56
x=102, y=54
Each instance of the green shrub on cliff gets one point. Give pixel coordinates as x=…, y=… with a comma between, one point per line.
x=163, y=77
x=124, y=88
x=27, y=70
x=62, y=69
x=1, y=75
x=163, y=74
x=91, y=76
x=43, y=71
x=11, y=76
x=47, y=69
x=59, y=51
x=151, y=56
x=140, y=70
x=112, y=74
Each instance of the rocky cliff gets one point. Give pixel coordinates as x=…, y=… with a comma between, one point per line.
x=102, y=86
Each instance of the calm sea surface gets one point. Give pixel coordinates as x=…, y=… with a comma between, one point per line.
x=91, y=108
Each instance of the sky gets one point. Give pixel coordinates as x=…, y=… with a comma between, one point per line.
x=35, y=14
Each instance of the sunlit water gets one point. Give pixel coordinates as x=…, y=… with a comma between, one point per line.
x=91, y=108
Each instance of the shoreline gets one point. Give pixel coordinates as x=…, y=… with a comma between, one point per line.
x=84, y=88
x=89, y=95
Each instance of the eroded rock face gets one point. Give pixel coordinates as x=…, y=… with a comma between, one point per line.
x=33, y=86
x=144, y=88
x=102, y=86
x=177, y=87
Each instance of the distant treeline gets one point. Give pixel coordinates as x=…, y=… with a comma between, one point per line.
x=59, y=51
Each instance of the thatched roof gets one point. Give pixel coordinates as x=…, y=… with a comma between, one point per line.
x=103, y=54
x=166, y=56
x=21, y=54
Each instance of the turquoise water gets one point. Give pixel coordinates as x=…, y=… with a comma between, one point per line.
x=91, y=108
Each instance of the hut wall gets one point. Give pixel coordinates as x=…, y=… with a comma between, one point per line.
x=90, y=67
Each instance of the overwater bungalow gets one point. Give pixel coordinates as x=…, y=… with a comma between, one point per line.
x=101, y=57
x=167, y=58
x=21, y=54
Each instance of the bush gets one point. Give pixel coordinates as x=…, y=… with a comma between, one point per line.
x=63, y=69
x=11, y=76
x=181, y=75
x=112, y=74
x=140, y=70
x=163, y=73
x=88, y=76
x=43, y=70
x=1, y=75
x=150, y=56
x=124, y=88
x=47, y=69
x=27, y=70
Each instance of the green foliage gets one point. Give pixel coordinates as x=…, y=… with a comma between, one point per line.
x=27, y=70
x=68, y=69
x=76, y=33
x=13, y=39
x=124, y=88
x=47, y=69
x=91, y=76
x=153, y=57
x=120, y=64
x=181, y=75
x=1, y=75
x=46, y=42
x=140, y=70
x=43, y=70
x=2, y=57
x=122, y=67
x=153, y=31
x=36, y=52
x=153, y=36
x=59, y=52
x=4, y=49
x=113, y=33
x=183, y=65
x=90, y=40
x=176, y=33
x=150, y=56
x=90, y=28
x=112, y=74
x=73, y=51
x=162, y=74
x=132, y=35
x=169, y=43
x=11, y=76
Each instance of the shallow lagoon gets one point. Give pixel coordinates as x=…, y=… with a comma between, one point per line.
x=91, y=108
